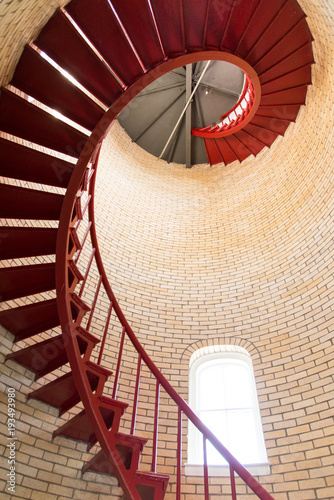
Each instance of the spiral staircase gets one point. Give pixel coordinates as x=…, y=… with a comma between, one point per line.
x=112, y=52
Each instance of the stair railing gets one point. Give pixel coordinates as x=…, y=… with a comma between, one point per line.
x=73, y=215
x=234, y=119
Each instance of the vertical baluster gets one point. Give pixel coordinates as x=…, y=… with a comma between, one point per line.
x=232, y=478
x=114, y=393
x=83, y=242
x=155, y=432
x=179, y=454
x=94, y=303
x=206, y=471
x=135, y=401
x=87, y=273
x=104, y=335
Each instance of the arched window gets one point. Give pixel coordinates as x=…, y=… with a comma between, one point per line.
x=223, y=395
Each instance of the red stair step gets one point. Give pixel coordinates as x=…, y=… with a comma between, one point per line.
x=25, y=120
x=140, y=25
x=242, y=13
x=287, y=113
x=169, y=18
x=294, y=51
x=79, y=427
x=129, y=448
x=43, y=357
x=250, y=142
x=21, y=281
x=61, y=392
x=274, y=124
x=21, y=203
x=62, y=42
x=20, y=162
x=241, y=151
x=263, y=135
x=301, y=76
x=26, y=321
x=150, y=485
x=218, y=17
x=284, y=21
x=261, y=19
x=292, y=96
x=226, y=151
x=16, y=242
x=39, y=79
x=99, y=23
x=213, y=152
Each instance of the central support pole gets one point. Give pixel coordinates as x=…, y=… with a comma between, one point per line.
x=185, y=108
x=189, y=78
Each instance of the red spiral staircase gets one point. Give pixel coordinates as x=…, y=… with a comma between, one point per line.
x=113, y=51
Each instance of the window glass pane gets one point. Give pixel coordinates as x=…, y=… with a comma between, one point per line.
x=242, y=437
x=237, y=385
x=210, y=387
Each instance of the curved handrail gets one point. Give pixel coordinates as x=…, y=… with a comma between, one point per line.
x=231, y=120
x=185, y=408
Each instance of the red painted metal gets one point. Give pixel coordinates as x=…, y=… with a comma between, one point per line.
x=27, y=321
x=119, y=360
x=64, y=44
x=104, y=338
x=20, y=162
x=83, y=241
x=49, y=86
x=94, y=302
x=233, y=489
x=179, y=453
x=21, y=281
x=205, y=470
x=99, y=23
x=87, y=273
x=25, y=120
x=22, y=203
x=136, y=395
x=18, y=242
x=156, y=425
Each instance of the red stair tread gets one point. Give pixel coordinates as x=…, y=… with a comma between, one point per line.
x=20, y=162
x=262, y=18
x=169, y=18
x=285, y=20
x=273, y=124
x=261, y=134
x=251, y=142
x=295, y=95
x=301, y=76
x=195, y=16
x=241, y=151
x=26, y=321
x=242, y=13
x=288, y=113
x=212, y=151
x=218, y=17
x=98, y=22
x=22, y=203
x=62, y=42
x=39, y=79
x=21, y=281
x=27, y=242
x=42, y=357
x=140, y=25
x=25, y=120
x=226, y=151
x=297, y=40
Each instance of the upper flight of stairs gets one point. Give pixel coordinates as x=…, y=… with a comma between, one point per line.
x=112, y=52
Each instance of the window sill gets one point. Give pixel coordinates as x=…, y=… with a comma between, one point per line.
x=262, y=469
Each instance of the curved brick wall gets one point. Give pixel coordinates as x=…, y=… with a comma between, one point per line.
x=238, y=254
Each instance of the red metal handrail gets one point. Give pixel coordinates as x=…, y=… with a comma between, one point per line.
x=222, y=128
x=70, y=326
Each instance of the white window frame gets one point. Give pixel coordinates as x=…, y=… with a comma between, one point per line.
x=199, y=358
